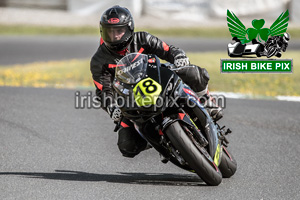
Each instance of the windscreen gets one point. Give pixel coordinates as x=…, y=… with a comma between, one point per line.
x=132, y=68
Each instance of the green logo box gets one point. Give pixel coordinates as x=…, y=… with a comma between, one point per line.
x=256, y=66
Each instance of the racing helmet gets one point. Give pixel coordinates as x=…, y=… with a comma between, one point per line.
x=116, y=28
x=286, y=37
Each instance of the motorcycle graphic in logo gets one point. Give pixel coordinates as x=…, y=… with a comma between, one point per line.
x=265, y=41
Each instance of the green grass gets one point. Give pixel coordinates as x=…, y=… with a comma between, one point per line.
x=212, y=32
x=58, y=74
x=76, y=73
x=46, y=30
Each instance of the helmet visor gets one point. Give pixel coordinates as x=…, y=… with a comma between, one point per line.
x=115, y=34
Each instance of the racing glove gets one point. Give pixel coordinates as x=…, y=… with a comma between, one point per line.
x=114, y=112
x=181, y=60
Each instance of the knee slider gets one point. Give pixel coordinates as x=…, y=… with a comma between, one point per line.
x=128, y=149
x=130, y=143
x=197, y=78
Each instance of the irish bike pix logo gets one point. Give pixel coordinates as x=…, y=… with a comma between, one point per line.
x=260, y=47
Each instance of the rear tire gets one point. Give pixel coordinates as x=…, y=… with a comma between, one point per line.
x=228, y=164
x=207, y=171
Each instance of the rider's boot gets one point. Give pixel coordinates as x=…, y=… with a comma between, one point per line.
x=210, y=104
x=163, y=159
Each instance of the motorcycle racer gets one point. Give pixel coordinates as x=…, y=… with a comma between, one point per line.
x=119, y=39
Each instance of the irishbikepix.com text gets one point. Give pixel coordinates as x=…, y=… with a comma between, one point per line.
x=91, y=101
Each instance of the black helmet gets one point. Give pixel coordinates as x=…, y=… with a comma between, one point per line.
x=116, y=28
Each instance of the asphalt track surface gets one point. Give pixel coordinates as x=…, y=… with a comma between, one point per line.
x=50, y=150
x=27, y=49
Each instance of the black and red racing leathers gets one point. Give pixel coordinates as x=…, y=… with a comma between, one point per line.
x=104, y=61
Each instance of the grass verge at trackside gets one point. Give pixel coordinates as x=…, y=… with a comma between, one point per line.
x=46, y=30
x=174, y=32
x=76, y=74
x=58, y=74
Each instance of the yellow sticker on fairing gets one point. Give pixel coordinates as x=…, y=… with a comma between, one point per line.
x=217, y=155
x=146, y=92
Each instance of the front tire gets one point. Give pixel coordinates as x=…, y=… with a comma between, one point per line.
x=228, y=164
x=207, y=171
x=271, y=51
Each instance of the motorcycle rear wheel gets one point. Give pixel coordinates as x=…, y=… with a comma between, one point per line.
x=208, y=172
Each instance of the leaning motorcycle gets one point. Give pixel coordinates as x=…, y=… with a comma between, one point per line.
x=169, y=116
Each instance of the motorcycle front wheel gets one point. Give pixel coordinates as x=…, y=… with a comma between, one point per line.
x=271, y=51
x=204, y=168
x=228, y=164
